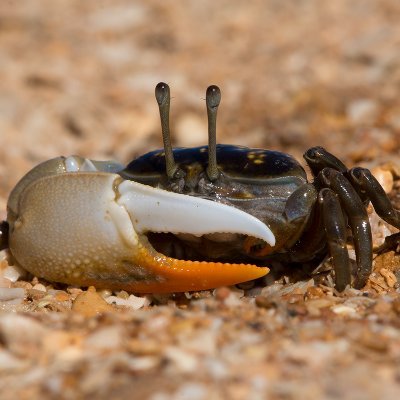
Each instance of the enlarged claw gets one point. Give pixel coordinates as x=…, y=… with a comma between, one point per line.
x=88, y=228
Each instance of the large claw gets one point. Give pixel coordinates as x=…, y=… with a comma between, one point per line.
x=88, y=228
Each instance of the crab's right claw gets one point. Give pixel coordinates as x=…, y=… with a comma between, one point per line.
x=90, y=229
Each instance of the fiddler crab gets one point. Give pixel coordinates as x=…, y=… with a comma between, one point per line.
x=188, y=219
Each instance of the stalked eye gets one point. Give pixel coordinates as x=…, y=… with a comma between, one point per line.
x=213, y=98
x=163, y=97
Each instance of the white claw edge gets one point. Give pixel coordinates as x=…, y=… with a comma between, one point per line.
x=157, y=210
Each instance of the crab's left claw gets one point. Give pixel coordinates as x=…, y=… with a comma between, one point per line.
x=89, y=228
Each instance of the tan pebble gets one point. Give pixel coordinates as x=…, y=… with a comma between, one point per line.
x=314, y=292
x=57, y=340
x=313, y=311
x=319, y=303
x=382, y=307
x=45, y=301
x=90, y=303
x=297, y=309
x=22, y=335
x=10, y=364
x=139, y=347
x=123, y=295
x=233, y=300
x=222, y=293
x=35, y=294
x=343, y=310
x=384, y=177
x=294, y=298
x=74, y=291
x=182, y=361
x=378, y=283
x=389, y=276
x=107, y=338
x=61, y=296
x=265, y=302
x=182, y=326
x=145, y=363
x=40, y=287
x=373, y=341
x=23, y=285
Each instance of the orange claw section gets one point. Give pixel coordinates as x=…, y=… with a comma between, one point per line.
x=172, y=275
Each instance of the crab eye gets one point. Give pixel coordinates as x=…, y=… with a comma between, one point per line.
x=213, y=98
x=162, y=93
x=163, y=98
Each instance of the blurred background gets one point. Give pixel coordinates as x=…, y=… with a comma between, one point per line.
x=78, y=77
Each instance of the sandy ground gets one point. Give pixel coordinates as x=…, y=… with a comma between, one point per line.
x=78, y=78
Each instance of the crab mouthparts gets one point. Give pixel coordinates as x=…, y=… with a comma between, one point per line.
x=155, y=211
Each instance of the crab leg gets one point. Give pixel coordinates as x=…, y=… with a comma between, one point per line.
x=358, y=220
x=335, y=228
x=367, y=182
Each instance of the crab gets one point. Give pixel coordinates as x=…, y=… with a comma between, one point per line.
x=185, y=219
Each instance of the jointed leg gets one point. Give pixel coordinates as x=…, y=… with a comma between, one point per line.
x=358, y=220
x=318, y=158
x=335, y=228
x=355, y=188
x=367, y=182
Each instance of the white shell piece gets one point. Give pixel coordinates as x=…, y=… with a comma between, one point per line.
x=87, y=166
x=79, y=164
x=158, y=210
x=13, y=273
x=71, y=164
